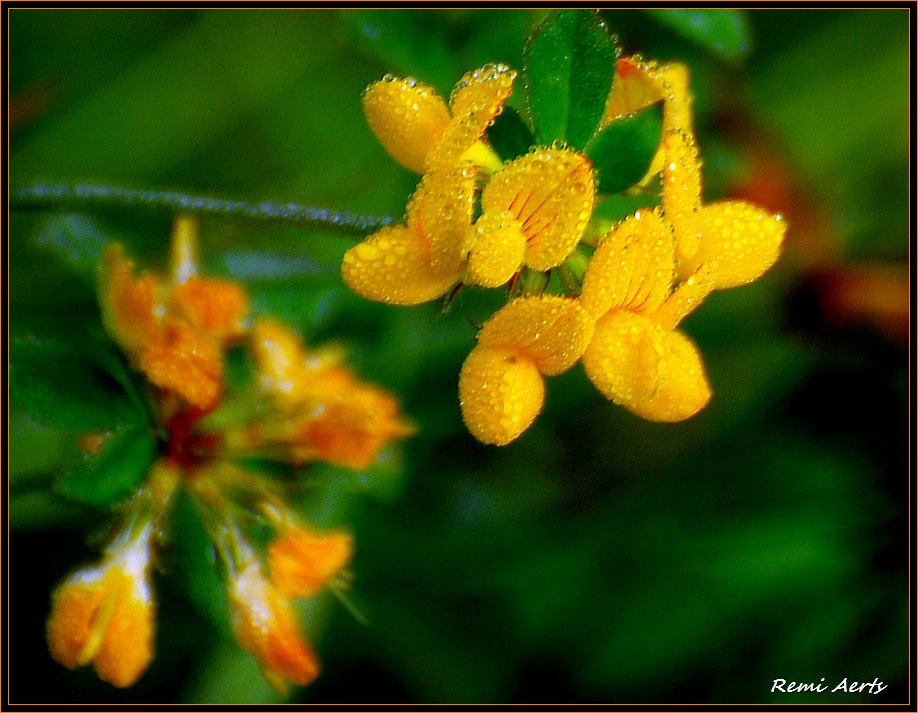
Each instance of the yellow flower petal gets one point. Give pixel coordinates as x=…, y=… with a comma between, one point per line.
x=653, y=372
x=677, y=110
x=681, y=189
x=127, y=302
x=737, y=241
x=500, y=394
x=394, y=266
x=549, y=330
x=550, y=192
x=632, y=269
x=474, y=103
x=302, y=562
x=441, y=210
x=633, y=89
x=408, y=117
x=496, y=250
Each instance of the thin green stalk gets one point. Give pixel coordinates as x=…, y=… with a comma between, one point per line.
x=82, y=196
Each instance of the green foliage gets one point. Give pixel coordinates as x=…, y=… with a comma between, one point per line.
x=112, y=474
x=568, y=68
x=623, y=150
x=60, y=385
x=725, y=33
x=509, y=135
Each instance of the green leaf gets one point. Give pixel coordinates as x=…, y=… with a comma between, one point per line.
x=196, y=563
x=115, y=471
x=60, y=386
x=568, y=65
x=621, y=153
x=724, y=33
x=509, y=135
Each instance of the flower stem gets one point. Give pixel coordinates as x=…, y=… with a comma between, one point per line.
x=82, y=196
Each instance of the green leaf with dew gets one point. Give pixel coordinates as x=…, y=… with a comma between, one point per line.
x=622, y=152
x=568, y=66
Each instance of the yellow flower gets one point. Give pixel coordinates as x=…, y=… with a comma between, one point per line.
x=533, y=212
x=637, y=85
x=636, y=357
x=265, y=626
x=105, y=615
x=302, y=561
x=500, y=386
x=415, y=126
x=419, y=261
x=321, y=410
x=172, y=331
x=728, y=243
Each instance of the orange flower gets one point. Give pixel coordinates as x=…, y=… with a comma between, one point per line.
x=105, y=615
x=265, y=626
x=173, y=331
x=322, y=411
x=302, y=562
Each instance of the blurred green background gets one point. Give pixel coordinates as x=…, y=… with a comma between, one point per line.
x=600, y=558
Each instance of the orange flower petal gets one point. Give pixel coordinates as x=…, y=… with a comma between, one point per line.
x=127, y=649
x=474, y=103
x=265, y=627
x=127, y=303
x=550, y=192
x=394, y=265
x=408, y=117
x=500, y=393
x=302, y=562
x=651, y=371
x=633, y=267
x=549, y=330
x=441, y=210
x=74, y=608
x=215, y=307
x=497, y=250
x=182, y=360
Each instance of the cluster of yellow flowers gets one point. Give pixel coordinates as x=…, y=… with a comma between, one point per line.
x=301, y=407
x=644, y=277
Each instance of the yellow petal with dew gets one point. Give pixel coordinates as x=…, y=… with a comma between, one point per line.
x=737, y=241
x=653, y=372
x=681, y=190
x=441, y=210
x=633, y=267
x=634, y=88
x=500, y=394
x=474, y=103
x=408, y=117
x=690, y=293
x=496, y=251
x=551, y=193
x=393, y=265
x=549, y=330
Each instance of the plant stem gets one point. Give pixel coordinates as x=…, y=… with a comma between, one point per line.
x=82, y=196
